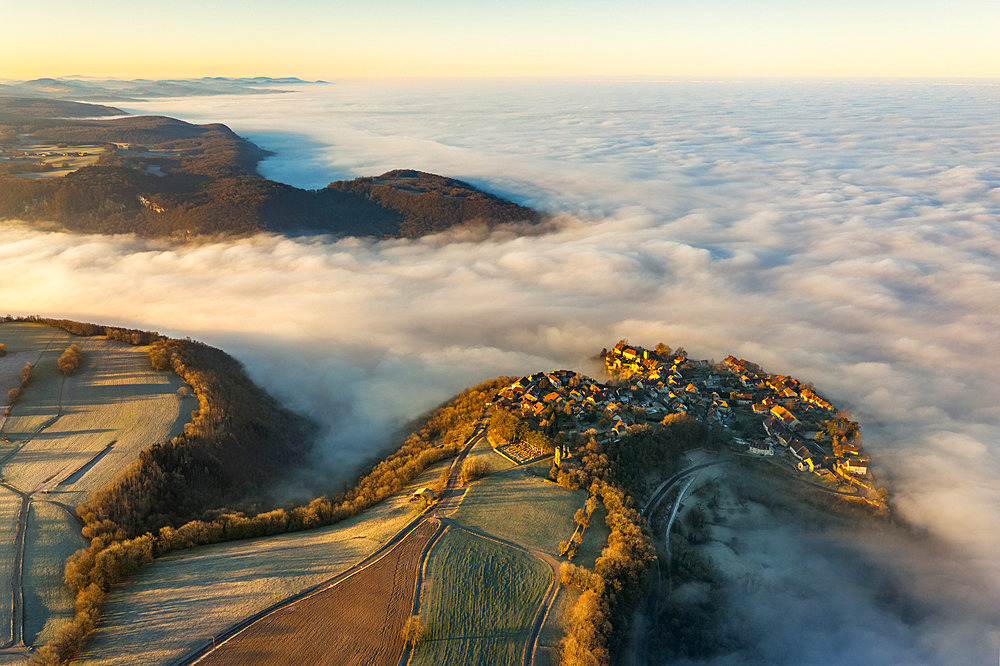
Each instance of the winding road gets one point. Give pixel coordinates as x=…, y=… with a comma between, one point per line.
x=639, y=639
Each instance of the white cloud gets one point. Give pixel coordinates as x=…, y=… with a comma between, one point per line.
x=845, y=235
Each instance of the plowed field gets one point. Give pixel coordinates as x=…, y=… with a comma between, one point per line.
x=358, y=621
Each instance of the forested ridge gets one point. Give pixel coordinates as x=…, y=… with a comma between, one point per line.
x=162, y=177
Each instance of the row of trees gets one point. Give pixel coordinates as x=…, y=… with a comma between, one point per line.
x=231, y=445
x=15, y=394
x=616, y=472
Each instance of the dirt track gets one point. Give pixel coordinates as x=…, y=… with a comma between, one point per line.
x=357, y=621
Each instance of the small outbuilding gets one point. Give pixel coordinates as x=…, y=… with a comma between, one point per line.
x=425, y=494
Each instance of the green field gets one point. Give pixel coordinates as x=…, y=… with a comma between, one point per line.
x=182, y=600
x=518, y=506
x=47, y=600
x=595, y=538
x=494, y=461
x=480, y=600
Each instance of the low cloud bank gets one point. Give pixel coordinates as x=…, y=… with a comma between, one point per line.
x=842, y=233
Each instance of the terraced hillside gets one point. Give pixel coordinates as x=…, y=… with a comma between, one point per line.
x=66, y=436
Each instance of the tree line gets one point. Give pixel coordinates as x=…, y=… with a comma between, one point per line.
x=237, y=439
x=616, y=473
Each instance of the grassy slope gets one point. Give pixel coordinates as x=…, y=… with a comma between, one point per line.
x=41, y=346
x=480, y=602
x=555, y=627
x=518, y=506
x=47, y=601
x=595, y=538
x=494, y=461
x=114, y=396
x=183, y=599
x=9, y=506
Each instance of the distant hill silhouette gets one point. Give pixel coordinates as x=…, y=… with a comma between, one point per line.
x=76, y=87
x=158, y=176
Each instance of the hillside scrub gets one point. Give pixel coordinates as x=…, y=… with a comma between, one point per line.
x=616, y=472
x=473, y=469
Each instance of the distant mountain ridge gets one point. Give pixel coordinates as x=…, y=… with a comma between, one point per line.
x=159, y=176
x=132, y=89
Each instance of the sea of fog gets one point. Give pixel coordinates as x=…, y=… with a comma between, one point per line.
x=844, y=232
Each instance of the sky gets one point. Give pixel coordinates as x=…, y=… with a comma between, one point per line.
x=318, y=39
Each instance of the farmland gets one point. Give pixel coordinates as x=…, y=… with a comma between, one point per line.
x=44, y=160
x=62, y=424
x=173, y=606
x=358, y=621
x=518, y=506
x=67, y=436
x=47, y=601
x=479, y=601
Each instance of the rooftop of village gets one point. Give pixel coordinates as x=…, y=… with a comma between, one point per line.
x=764, y=414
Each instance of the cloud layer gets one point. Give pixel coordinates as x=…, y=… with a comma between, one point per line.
x=845, y=233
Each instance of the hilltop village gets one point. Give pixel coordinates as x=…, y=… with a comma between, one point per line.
x=765, y=414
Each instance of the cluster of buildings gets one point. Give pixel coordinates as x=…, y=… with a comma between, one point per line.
x=772, y=413
x=792, y=415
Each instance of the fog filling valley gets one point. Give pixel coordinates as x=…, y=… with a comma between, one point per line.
x=845, y=233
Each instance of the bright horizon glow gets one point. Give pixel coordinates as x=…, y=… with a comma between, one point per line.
x=446, y=38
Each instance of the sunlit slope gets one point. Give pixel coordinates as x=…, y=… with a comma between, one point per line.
x=70, y=435
x=179, y=602
x=519, y=506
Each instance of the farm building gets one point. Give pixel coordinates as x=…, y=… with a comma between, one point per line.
x=425, y=494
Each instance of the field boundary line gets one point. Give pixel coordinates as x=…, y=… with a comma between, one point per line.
x=548, y=601
x=196, y=655
x=214, y=643
x=418, y=591
x=17, y=570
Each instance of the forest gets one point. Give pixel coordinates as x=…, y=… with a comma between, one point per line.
x=162, y=177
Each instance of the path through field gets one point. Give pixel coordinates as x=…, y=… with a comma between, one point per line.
x=404, y=553
x=358, y=619
x=66, y=436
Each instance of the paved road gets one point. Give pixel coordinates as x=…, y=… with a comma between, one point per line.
x=639, y=636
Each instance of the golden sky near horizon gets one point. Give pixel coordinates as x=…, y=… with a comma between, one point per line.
x=314, y=39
